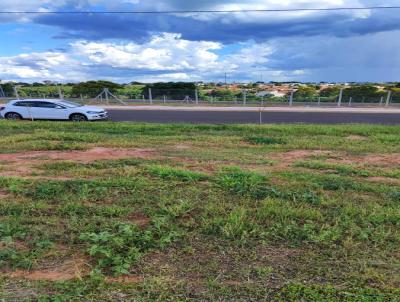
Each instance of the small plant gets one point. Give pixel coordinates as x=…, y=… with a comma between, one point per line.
x=237, y=225
x=167, y=172
x=260, y=140
x=244, y=183
x=119, y=247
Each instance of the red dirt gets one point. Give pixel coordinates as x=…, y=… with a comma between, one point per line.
x=22, y=164
x=384, y=160
x=69, y=270
x=285, y=159
x=87, y=156
x=139, y=219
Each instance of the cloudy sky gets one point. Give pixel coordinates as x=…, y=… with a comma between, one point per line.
x=361, y=45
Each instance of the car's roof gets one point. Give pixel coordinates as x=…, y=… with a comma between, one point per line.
x=37, y=100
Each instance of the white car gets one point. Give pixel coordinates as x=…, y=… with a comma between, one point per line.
x=47, y=109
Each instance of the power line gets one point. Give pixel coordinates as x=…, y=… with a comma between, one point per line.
x=206, y=11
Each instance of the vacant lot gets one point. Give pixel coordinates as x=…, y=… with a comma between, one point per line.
x=135, y=212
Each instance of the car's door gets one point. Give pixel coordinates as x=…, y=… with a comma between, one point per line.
x=48, y=110
x=21, y=107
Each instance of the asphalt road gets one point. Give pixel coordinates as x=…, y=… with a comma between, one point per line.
x=224, y=117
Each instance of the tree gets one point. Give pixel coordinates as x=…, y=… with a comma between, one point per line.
x=305, y=92
x=93, y=88
x=330, y=92
x=363, y=91
x=8, y=89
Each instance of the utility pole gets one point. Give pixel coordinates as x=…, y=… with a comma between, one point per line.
x=291, y=98
x=340, y=97
x=16, y=92
x=226, y=82
x=389, y=96
x=150, y=97
x=60, y=94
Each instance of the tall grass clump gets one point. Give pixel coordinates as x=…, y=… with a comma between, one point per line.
x=244, y=183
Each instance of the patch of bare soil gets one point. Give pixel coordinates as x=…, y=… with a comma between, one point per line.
x=125, y=279
x=388, y=160
x=139, y=219
x=68, y=270
x=357, y=138
x=285, y=159
x=22, y=164
x=183, y=147
x=3, y=194
x=206, y=260
x=386, y=180
x=98, y=153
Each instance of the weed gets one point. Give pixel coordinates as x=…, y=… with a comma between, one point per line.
x=261, y=140
x=243, y=183
x=166, y=172
x=119, y=247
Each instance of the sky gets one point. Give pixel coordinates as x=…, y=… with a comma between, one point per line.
x=307, y=46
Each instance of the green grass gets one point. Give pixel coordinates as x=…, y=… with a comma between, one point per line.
x=213, y=213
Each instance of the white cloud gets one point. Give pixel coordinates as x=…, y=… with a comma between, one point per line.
x=163, y=52
x=165, y=57
x=39, y=66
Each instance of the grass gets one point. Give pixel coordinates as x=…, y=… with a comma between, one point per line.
x=212, y=213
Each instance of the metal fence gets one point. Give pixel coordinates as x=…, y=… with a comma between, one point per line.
x=200, y=97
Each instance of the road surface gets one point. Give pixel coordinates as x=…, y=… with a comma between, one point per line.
x=245, y=117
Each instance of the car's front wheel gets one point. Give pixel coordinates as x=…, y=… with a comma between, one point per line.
x=13, y=116
x=77, y=117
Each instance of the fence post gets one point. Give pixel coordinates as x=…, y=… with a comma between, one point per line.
x=106, y=95
x=381, y=101
x=319, y=101
x=165, y=99
x=340, y=97
x=2, y=94
x=244, y=97
x=196, y=94
x=291, y=98
x=350, y=99
x=81, y=98
x=388, y=98
x=16, y=92
x=150, y=97
x=60, y=93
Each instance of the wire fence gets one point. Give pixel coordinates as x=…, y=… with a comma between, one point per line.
x=187, y=97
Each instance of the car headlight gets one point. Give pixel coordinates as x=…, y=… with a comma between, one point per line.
x=93, y=112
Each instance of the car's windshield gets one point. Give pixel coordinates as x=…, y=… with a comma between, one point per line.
x=70, y=104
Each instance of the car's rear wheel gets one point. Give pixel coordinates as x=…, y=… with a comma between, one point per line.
x=13, y=116
x=77, y=117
